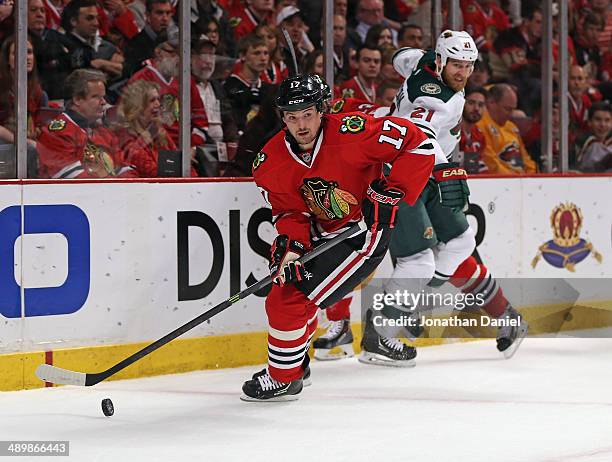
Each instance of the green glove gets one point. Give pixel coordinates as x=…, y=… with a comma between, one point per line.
x=452, y=183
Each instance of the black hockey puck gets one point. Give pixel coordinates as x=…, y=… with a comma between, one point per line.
x=107, y=407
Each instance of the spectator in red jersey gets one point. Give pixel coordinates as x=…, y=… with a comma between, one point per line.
x=276, y=70
x=54, y=9
x=411, y=36
x=363, y=85
x=472, y=144
x=246, y=17
x=140, y=48
x=593, y=150
x=211, y=112
x=75, y=144
x=140, y=130
x=484, y=20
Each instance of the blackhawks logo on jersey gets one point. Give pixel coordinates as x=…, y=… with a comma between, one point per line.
x=259, y=159
x=326, y=200
x=337, y=107
x=56, y=125
x=352, y=124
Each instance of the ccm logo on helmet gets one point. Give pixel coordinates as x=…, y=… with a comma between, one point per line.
x=378, y=197
x=454, y=172
x=296, y=101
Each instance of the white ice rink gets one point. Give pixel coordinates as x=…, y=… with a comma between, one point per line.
x=551, y=403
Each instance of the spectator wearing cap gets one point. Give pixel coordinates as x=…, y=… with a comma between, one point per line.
x=158, y=21
x=505, y=151
x=76, y=144
x=245, y=88
x=290, y=18
x=86, y=49
x=592, y=151
x=473, y=143
x=211, y=112
x=363, y=85
x=162, y=70
x=246, y=17
x=411, y=36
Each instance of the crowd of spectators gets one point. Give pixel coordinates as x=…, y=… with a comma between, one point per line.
x=103, y=90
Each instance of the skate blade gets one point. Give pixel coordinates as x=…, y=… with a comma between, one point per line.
x=380, y=360
x=339, y=352
x=512, y=349
x=306, y=382
x=278, y=399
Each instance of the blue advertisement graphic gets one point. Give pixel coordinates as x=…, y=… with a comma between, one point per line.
x=65, y=219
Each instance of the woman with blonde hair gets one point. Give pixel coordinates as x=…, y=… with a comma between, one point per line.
x=139, y=128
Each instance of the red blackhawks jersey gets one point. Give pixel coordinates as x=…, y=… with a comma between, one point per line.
x=355, y=88
x=326, y=187
x=71, y=148
x=353, y=105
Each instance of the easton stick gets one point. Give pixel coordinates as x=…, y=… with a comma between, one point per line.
x=53, y=374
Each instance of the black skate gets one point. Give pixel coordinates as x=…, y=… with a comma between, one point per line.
x=336, y=343
x=383, y=351
x=306, y=380
x=263, y=388
x=509, y=338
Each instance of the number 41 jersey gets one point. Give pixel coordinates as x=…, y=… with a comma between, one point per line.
x=325, y=187
x=427, y=101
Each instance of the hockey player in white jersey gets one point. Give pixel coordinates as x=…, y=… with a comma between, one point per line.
x=433, y=243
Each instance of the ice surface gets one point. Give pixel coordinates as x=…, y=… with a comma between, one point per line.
x=552, y=402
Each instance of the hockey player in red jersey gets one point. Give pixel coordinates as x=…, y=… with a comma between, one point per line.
x=320, y=174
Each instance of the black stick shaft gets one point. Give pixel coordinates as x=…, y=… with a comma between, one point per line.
x=92, y=379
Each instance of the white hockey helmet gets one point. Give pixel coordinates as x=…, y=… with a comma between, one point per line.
x=457, y=45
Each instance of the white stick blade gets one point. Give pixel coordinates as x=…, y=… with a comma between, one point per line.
x=48, y=373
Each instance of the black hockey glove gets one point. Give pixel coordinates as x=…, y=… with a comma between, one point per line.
x=452, y=183
x=284, y=264
x=380, y=205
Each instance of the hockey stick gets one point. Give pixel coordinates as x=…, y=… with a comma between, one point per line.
x=52, y=374
x=291, y=51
